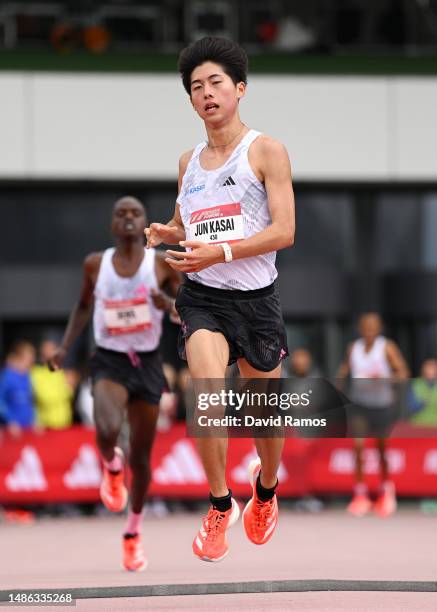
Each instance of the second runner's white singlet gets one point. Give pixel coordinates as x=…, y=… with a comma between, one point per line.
x=372, y=364
x=125, y=318
x=227, y=205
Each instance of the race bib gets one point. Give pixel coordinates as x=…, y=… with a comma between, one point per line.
x=221, y=223
x=126, y=316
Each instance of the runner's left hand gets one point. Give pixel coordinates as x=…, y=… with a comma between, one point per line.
x=200, y=257
x=162, y=301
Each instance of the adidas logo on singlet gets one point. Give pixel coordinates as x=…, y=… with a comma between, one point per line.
x=229, y=181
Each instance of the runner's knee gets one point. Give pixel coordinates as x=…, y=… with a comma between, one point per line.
x=108, y=424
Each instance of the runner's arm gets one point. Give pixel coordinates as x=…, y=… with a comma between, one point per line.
x=169, y=283
x=396, y=361
x=173, y=278
x=81, y=312
x=176, y=221
x=276, y=170
x=157, y=233
x=344, y=369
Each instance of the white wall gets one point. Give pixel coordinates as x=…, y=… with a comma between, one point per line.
x=415, y=116
x=14, y=126
x=136, y=126
x=333, y=128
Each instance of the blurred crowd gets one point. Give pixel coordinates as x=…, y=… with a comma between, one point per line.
x=33, y=397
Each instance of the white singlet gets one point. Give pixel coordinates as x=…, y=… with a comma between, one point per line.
x=371, y=365
x=125, y=318
x=227, y=204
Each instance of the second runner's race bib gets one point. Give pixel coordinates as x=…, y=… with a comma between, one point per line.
x=126, y=316
x=221, y=223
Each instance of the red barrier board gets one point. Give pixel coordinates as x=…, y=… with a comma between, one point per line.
x=65, y=466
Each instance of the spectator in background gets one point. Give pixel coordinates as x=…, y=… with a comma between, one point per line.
x=16, y=396
x=422, y=399
x=53, y=391
x=300, y=365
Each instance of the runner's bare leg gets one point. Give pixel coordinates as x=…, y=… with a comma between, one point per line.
x=208, y=356
x=110, y=399
x=269, y=449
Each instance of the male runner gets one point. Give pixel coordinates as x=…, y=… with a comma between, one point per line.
x=235, y=209
x=124, y=284
x=373, y=356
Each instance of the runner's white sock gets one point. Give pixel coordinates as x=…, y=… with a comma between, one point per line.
x=361, y=489
x=134, y=522
x=116, y=463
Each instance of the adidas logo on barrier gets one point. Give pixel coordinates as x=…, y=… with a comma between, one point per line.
x=27, y=474
x=229, y=181
x=342, y=461
x=430, y=462
x=239, y=473
x=85, y=472
x=180, y=466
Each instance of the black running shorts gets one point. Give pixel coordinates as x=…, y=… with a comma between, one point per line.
x=141, y=374
x=251, y=321
x=372, y=422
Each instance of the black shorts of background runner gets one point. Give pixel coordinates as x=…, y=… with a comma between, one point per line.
x=146, y=381
x=372, y=422
x=251, y=321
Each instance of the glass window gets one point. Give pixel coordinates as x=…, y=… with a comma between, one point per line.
x=324, y=231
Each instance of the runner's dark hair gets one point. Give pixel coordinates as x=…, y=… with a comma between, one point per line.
x=230, y=56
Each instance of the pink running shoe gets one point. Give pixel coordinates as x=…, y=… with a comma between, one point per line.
x=133, y=554
x=386, y=503
x=113, y=492
x=360, y=505
x=259, y=518
x=211, y=544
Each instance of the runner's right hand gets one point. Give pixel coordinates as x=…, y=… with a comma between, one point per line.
x=57, y=359
x=158, y=233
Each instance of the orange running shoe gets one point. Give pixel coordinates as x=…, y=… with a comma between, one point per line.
x=134, y=559
x=259, y=518
x=211, y=544
x=25, y=517
x=386, y=503
x=113, y=492
x=360, y=505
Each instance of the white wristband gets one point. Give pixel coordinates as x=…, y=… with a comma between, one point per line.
x=228, y=251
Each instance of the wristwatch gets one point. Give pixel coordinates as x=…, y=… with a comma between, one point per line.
x=227, y=250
